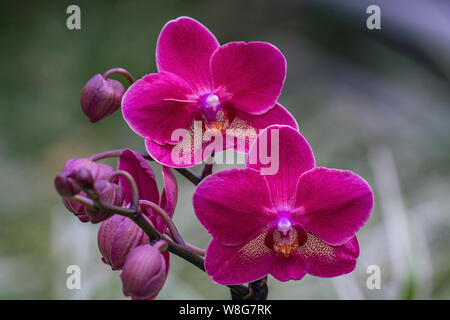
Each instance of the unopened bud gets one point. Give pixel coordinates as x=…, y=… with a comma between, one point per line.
x=69, y=174
x=84, y=178
x=101, y=97
x=144, y=272
x=117, y=236
x=108, y=193
x=65, y=185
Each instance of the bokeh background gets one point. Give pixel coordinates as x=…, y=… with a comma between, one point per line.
x=373, y=101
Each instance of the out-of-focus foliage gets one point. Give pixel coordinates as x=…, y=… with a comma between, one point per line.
x=375, y=102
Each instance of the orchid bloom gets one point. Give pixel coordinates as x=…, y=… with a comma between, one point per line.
x=303, y=219
x=119, y=235
x=228, y=90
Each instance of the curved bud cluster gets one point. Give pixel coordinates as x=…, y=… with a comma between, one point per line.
x=144, y=272
x=65, y=184
x=101, y=97
x=82, y=173
x=84, y=178
x=108, y=193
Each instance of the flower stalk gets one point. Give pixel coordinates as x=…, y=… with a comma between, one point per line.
x=172, y=228
x=207, y=170
x=120, y=71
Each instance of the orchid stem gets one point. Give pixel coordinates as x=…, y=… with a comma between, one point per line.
x=190, y=175
x=207, y=170
x=134, y=189
x=172, y=228
x=86, y=202
x=201, y=252
x=106, y=154
x=121, y=71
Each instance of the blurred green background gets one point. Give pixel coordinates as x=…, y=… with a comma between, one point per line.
x=373, y=101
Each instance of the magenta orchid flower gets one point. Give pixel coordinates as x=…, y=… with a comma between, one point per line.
x=226, y=89
x=118, y=235
x=303, y=219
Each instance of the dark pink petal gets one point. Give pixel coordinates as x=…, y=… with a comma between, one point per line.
x=140, y=170
x=245, y=126
x=158, y=104
x=229, y=265
x=291, y=155
x=163, y=155
x=184, y=48
x=192, y=149
x=169, y=195
x=275, y=115
x=332, y=204
x=233, y=204
x=250, y=75
x=285, y=269
x=326, y=261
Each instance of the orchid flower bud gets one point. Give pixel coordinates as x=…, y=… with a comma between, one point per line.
x=144, y=272
x=67, y=178
x=108, y=193
x=101, y=97
x=84, y=178
x=65, y=185
x=116, y=237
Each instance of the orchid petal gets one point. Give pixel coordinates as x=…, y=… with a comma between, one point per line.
x=158, y=104
x=250, y=75
x=184, y=48
x=333, y=204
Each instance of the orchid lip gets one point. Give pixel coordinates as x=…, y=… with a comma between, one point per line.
x=285, y=237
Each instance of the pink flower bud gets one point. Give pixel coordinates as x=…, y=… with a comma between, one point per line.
x=101, y=97
x=109, y=193
x=84, y=178
x=116, y=237
x=65, y=185
x=144, y=272
x=71, y=168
